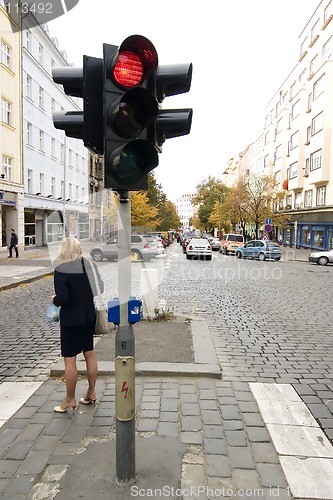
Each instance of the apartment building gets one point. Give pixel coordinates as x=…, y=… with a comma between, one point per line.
x=56, y=168
x=185, y=209
x=296, y=144
x=11, y=179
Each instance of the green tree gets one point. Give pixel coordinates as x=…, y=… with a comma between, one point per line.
x=168, y=216
x=209, y=192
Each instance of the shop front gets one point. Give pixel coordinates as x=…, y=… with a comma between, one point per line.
x=312, y=230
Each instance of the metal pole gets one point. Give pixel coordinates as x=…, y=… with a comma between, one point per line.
x=125, y=353
x=64, y=215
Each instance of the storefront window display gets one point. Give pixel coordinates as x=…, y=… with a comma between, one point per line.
x=318, y=237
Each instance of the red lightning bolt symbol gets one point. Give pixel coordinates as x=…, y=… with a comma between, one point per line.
x=125, y=388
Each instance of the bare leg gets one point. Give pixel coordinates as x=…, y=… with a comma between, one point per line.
x=91, y=364
x=71, y=379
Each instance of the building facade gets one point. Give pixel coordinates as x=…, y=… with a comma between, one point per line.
x=11, y=175
x=296, y=144
x=185, y=209
x=55, y=167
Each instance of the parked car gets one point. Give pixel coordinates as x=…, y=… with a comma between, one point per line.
x=185, y=242
x=322, y=257
x=199, y=247
x=155, y=240
x=142, y=248
x=230, y=243
x=260, y=249
x=215, y=244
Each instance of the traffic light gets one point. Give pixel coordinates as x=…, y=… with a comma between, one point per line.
x=171, y=80
x=129, y=108
x=85, y=82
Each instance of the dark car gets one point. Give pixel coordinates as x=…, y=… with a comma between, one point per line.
x=259, y=249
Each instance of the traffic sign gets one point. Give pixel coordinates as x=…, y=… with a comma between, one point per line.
x=268, y=221
x=268, y=228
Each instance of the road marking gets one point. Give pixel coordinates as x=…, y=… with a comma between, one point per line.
x=305, y=453
x=13, y=395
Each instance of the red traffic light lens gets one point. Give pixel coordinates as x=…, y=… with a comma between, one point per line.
x=128, y=70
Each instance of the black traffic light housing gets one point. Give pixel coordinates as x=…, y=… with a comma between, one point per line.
x=171, y=80
x=85, y=82
x=129, y=109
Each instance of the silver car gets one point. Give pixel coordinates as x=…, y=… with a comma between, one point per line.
x=200, y=248
x=322, y=258
x=140, y=248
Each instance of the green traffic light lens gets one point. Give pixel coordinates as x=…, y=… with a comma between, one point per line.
x=131, y=166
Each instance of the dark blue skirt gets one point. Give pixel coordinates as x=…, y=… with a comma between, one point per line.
x=76, y=339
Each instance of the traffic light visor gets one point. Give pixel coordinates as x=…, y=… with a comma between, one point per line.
x=136, y=60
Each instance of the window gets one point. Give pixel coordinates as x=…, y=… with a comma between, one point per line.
x=308, y=198
x=293, y=90
x=41, y=97
x=278, y=126
x=266, y=161
x=298, y=200
x=7, y=167
x=53, y=147
x=277, y=177
x=6, y=111
x=327, y=49
x=52, y=105
x=5, y=54
x=293, y=170
x=41, y=140
x=295, y=110
x=28, y=83
x=321, y=196
x=288, y=201
x=306, y=168
x=53, y=186
x=308, y=136
x=62, y=194
x=40, y=54
x=302, y=78
x=41, y=183
x=328, y=13
x=314, y=64
x=266, y=138
x=318, y=87
x=278, y=152
x=310, y=98
x=70, y=159
x=70, y=191
x=314, y=32
x=315, y=160
x=62, y=153
x=294, y=140
x=29, y=134
x=303, y=50
x=27, y=39
x=29, y=180
x=317, y=124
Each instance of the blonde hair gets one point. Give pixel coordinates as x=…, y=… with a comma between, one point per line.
x=70, y=249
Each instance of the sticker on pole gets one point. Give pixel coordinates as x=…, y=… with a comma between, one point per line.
x=125, y=388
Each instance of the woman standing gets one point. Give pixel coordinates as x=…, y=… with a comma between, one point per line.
x=75, y=290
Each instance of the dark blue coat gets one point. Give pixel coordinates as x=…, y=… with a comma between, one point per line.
x=75, y=291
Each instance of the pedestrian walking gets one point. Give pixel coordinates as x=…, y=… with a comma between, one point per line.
x=13, y=244
x=74, y=291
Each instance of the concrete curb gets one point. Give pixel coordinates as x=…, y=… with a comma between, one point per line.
x=22, y=281
x=205, y=365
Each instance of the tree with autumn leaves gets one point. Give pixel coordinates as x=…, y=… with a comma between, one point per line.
x=249, y=202
x=149, y=209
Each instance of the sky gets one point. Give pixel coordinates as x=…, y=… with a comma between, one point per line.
x=241, y=50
